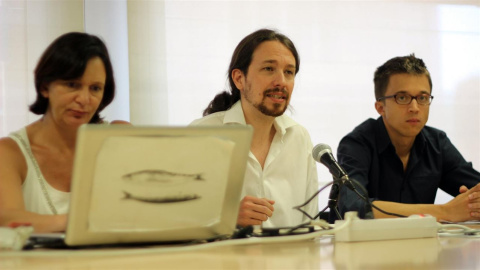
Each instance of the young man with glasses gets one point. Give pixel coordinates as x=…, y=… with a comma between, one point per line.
x=399, y=160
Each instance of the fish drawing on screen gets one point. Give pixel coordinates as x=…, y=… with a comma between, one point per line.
x=179, y=198
x=160, y=177
x=160, y=186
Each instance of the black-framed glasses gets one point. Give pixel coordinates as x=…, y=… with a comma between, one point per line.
x=405, y=99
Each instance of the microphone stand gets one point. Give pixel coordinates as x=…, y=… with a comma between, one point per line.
x=333, y=199
x=338, y=183
x=350, y=183
x=368, y=205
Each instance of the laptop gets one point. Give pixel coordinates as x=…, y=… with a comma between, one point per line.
x=133, y=184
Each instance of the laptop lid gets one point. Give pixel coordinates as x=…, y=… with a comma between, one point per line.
x=134, y=184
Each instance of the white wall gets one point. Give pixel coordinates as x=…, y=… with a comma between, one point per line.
x=108, y=20
x=148, y=66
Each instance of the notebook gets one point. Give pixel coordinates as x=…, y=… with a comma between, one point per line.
x=134, y=184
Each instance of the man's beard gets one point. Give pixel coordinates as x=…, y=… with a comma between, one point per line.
x=277, y=108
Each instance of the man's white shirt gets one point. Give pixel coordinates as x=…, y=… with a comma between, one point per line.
x=289, y=176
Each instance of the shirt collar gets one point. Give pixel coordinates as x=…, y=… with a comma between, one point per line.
x=383, y=139
x=235, y=115
x=420, y=140
x=282, y=123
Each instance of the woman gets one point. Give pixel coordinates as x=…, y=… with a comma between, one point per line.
x=74, y=83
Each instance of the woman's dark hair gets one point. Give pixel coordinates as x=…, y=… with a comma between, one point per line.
x=65, y=59
x=398, y=65
x=241, y=59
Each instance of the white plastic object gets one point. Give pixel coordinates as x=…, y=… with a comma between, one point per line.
x=386, y=228
x=14, y=238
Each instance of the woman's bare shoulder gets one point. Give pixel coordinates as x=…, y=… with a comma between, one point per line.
x=8, y=145
x=10, y=154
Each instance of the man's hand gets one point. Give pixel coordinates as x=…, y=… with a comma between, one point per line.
x=474, y=202
x=254, y=211
x=465, y=206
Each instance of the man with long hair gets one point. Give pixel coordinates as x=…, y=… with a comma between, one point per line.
x=280, y=172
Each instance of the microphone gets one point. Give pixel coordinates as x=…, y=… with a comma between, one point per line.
x=323, y=153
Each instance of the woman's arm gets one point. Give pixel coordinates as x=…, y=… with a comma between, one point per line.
x=13, y=169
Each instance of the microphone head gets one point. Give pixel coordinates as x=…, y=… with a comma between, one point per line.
x=319, y=150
